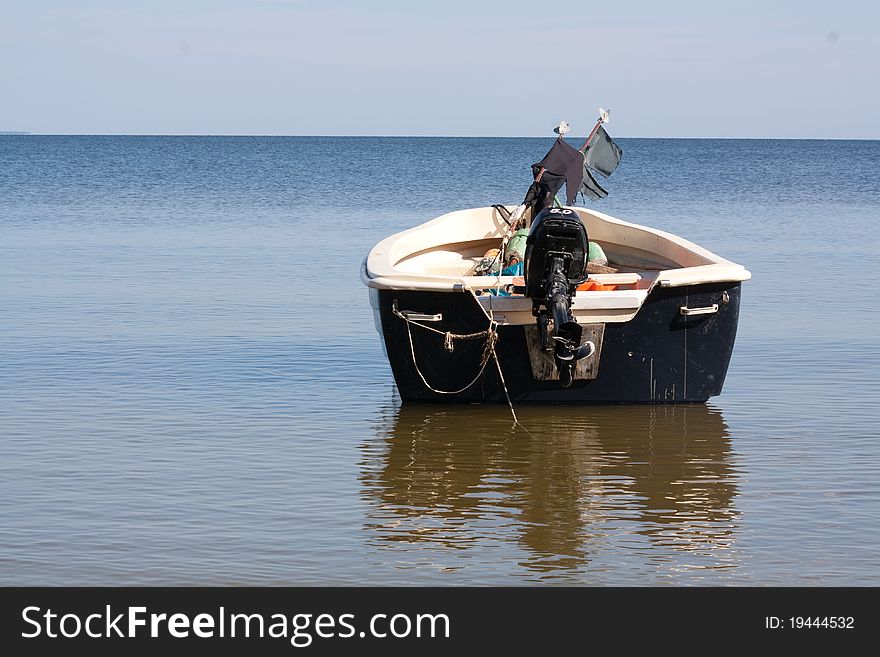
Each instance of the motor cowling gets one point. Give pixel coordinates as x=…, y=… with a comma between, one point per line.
x=556, y=233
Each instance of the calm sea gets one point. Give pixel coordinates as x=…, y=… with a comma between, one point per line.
x=192, y=390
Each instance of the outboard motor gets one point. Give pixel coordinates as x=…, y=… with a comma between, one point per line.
x=555, y=264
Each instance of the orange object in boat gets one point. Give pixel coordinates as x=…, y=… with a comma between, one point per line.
x=592, y=286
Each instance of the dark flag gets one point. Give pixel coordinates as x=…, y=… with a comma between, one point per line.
x=602, y=154
x=565, y=161
x=591, y=188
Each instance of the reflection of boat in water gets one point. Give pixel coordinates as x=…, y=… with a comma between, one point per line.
x=640, y=477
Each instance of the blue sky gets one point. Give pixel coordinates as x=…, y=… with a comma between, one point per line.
x=387, y=67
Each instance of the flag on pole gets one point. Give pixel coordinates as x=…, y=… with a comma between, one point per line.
x=565, y=161
x=602, y=154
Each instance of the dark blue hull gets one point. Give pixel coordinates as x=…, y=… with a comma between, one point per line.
x=659, y=356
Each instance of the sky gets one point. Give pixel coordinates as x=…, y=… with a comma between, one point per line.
x=673, y=68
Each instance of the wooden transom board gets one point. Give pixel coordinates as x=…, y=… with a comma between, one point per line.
x=543, y=364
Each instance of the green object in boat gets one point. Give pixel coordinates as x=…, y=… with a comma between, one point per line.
x=597, y=255
x=517, y=244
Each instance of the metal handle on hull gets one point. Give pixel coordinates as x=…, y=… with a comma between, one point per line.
x=416, y=316
x=707, y=310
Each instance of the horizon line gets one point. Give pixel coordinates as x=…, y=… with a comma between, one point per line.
x=23, y=133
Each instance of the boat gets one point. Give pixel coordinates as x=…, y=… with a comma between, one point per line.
x=656, y=324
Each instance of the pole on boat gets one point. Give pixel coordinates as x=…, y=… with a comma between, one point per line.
x=604, y=117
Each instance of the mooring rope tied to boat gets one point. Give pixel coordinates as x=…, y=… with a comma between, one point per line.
x=491, y=335
x=492, y=323
x=448, y=337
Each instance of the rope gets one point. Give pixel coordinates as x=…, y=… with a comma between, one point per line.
x=504, y=212
x=506, y=394
x=491, y=317
x=491, y=335
x=505, y=238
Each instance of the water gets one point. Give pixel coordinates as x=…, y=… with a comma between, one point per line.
x=192, y=391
